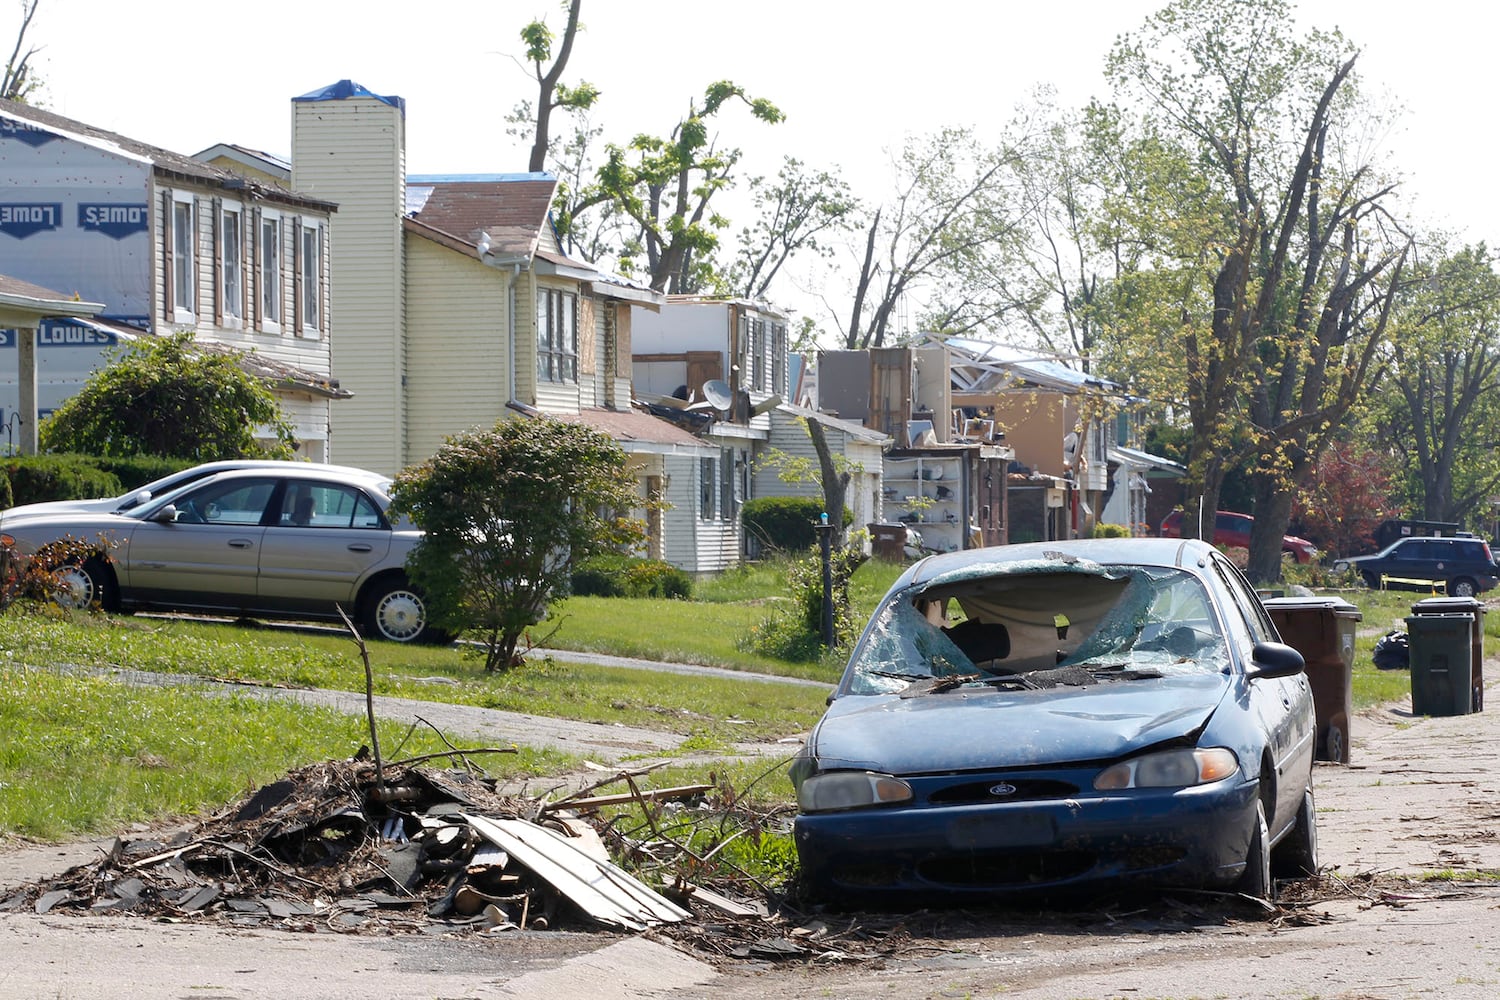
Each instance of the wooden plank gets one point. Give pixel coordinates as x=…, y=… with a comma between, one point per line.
x=606, y=893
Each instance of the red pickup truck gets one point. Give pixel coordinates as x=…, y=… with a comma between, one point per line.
x=1232, y=531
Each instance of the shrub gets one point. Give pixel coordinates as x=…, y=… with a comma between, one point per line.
x=138, y=470
x=1102, y=530
x=794, y=630
x=654, y=578
x=601, y=576
x=786, y=523
x=615, y=575
x=38, y=478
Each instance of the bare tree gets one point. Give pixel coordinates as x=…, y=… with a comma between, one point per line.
x=551, y=92
x=950, y=207
x=19, y=82
x=795, y=213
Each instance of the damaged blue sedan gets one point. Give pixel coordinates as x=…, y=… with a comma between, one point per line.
x=1061, y=716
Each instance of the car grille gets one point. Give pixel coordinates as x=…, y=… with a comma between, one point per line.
x=1024, y=790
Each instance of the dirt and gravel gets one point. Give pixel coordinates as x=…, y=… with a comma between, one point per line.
x=1408, y=906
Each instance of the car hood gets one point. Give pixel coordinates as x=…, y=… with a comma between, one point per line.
x=974, y=727
x=51, y=508
x=41, y=528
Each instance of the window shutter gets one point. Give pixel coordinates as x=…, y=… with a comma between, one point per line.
x=245, y=247
x=325, y=298
x=255, y=296
x=296, y=324
x=169, y=264
x=217, y=229
x=195, y=293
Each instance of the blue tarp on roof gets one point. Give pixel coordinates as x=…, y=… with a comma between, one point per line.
x=345, y=89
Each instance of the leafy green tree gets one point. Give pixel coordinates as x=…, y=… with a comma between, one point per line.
x=664, y=185
x=508, y=513
x=166, y=398
x=1285, y=287
x=1443, y=367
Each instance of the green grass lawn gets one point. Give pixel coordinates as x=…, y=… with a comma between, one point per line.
x=88, y=755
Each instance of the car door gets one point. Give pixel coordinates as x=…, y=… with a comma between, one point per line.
x=208, y=557
x=1420, y=559
x=1284, y=705
x=323, y=542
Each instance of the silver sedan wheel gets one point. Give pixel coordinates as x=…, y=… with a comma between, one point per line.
x=75, y=588
x=400, y=615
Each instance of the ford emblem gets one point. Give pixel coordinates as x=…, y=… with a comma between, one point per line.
x=1002, y=789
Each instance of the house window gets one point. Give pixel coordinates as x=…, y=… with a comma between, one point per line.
x=270, y=273
x=312, y=268
x=707, y=482
x=557, y=335
x=184, y=262
x=232, y=264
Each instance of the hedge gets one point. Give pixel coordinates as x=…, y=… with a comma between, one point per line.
x=786, y=523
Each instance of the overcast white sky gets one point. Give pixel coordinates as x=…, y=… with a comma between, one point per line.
x=853, y=76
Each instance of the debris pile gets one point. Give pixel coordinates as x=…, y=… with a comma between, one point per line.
x=337, y=846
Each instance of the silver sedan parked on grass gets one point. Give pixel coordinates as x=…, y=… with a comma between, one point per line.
x=296, y=542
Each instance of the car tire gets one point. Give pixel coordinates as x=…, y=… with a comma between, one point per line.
x=1372, y=580
x=1297, y=854
x=1462, y=587
x=397, y=612
x=86, y=584
x=1256, y=881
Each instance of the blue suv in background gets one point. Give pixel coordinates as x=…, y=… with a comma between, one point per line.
x=1463, y=565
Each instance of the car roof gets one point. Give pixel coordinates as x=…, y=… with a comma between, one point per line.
x=292, y=471
x=1178, y=552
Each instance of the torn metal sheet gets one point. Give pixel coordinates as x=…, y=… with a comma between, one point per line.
x=601, y=890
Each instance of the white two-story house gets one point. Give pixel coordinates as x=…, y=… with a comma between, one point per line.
x=167, y=243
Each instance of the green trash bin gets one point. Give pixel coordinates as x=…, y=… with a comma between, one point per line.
x=1322, y=630
x=1459, y=605
x=1442, y=676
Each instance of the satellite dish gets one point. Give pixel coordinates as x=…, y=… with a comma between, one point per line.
x=716, y=391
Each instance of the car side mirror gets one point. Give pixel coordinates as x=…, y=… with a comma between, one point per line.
x=167, y=515
x=1274, y=659
x=136, y=499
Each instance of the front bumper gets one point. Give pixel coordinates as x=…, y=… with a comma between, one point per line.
x=1191, y=837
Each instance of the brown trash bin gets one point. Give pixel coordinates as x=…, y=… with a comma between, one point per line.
x=1457, y=606
x=888, y=541
x=1322, y=630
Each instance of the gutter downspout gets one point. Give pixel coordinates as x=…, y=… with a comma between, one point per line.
x=510, y=339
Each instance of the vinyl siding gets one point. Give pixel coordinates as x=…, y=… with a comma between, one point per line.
x=353, y=152
x=308, y=415
x=456, y=328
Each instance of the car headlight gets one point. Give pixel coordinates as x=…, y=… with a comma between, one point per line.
x=1340, y=566
x=1169, y=769
x=836, y=790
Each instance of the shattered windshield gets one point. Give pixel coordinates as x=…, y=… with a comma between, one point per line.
x=1040, y=625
